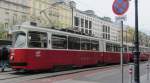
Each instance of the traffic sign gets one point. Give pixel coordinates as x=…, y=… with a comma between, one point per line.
x=120, y=7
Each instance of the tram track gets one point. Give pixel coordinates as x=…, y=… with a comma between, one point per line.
x=9, y=75
x=21, y=77
x=26, y=77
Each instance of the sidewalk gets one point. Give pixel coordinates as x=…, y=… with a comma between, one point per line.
x=6, y=70
x=144, y=79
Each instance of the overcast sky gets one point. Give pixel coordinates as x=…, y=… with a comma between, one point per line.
x=104, y=8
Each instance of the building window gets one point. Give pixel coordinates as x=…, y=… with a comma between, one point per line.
x=14, y=19
x=82, y=22
x=90, y=32
x=90, y=24
x=82, y=30
x=7, y=18
x=106, y=32
x=104, y=29
x=86, y=24
x=86, y=31
x=6, y=25
x=24, y=18
x=108, y=36
x=76, y=21
x=108, y=29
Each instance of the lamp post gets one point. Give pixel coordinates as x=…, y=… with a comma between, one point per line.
x=136, y=52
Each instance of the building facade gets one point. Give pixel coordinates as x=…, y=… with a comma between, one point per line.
x=38, y=10
x=89, y=23
x=51, y=13
x=47, y=13
x=12, y=12
x=61, y=15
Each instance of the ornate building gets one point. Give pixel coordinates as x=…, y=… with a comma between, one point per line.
x=12, y=12
x=51, y=13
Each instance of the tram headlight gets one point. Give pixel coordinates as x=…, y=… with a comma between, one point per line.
x=12, y=52
x=11, y=57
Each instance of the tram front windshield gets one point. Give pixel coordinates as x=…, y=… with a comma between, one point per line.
x=20, y=40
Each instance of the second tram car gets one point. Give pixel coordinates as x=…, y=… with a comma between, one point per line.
x=36, y=48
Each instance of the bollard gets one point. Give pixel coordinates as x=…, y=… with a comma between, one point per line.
x=130, y=73
x=148, y=71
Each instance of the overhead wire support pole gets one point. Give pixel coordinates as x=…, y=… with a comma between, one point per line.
x=136, y=52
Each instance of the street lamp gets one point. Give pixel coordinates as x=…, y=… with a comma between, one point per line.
x=136, y=52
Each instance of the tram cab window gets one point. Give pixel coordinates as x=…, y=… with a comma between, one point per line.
x=37, y=39
x=85, y=44
x=20, y=40
x=59, y=42
x=73, y=43
x=94, y=45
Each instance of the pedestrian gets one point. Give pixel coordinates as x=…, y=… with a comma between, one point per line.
x=0, y=57
x=4, y=58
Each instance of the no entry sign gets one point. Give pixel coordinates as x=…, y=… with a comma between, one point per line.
x=120, y=7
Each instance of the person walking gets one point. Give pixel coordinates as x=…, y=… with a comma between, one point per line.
x=0, y=57
x=4, y=58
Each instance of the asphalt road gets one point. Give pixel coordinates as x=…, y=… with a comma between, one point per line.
x=101, y=75
x=108, y=75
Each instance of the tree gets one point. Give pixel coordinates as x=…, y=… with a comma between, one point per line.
x=130, y=34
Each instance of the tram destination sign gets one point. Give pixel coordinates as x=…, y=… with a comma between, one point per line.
x=120, y=7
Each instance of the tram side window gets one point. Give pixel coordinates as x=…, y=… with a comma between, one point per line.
x=73, y=43
x=85, y=44
x=118, y=48
x=94, y=45
x=112, y=47
x=131, y=49
x=59, y=42
x=37, y=39
x=125, y=48
x=108, y=47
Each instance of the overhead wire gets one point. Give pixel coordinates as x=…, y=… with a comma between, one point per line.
x=87, y=5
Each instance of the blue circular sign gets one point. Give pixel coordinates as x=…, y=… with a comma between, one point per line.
x=120, y=6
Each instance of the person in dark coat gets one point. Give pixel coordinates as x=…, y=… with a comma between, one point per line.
x=0, y=56
x=4, y=58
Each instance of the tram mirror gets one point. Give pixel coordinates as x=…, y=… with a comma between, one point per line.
x=44, y=38
x=29, y=37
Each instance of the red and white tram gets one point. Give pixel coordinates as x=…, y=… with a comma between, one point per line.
x=36, y=48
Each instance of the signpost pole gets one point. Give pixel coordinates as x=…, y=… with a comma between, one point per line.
x=121, y=19
x=122, y=70
x=136, y=53
x=120, y=7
